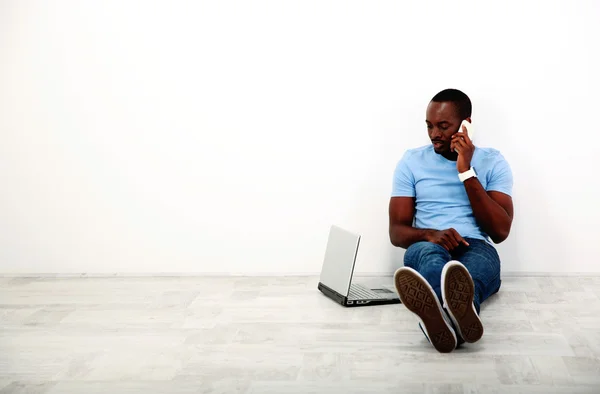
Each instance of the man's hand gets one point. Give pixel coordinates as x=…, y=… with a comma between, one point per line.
x=462, y=144
x=449, y=239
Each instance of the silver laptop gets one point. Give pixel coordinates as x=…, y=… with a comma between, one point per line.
x=338, y=267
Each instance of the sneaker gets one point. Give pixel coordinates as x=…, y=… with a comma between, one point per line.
x=418, y=296
x=458, y=292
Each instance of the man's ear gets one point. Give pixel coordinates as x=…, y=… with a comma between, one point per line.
x=469, y=119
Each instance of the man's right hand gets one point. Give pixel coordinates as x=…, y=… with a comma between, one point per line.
x=449, y=239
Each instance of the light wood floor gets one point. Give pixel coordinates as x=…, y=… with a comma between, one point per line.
x=280, y=335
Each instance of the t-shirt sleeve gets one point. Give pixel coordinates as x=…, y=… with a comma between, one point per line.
x=501, y=178
x=404, y=180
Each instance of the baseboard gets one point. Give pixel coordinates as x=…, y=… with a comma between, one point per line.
x=260, y=274
x=549, y=274
x=152, y=274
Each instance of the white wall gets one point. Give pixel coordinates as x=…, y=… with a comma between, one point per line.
x=183, y=136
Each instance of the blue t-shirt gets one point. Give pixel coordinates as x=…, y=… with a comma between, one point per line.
x=441, y=198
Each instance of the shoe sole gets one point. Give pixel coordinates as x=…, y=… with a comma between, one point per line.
x=458, y=292
x=418, y=296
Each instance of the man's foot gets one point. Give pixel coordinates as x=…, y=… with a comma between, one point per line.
x=458, y=292
x=418, y=296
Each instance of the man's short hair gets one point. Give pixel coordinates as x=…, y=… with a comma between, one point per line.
x=462, y=101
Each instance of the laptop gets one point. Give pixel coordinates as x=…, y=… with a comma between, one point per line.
x=338, y=267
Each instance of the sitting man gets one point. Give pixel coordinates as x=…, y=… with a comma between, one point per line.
x=448, y=200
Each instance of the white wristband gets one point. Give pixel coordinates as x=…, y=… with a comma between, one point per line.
x=470, y=173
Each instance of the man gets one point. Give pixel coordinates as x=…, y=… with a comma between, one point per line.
x=448, y=200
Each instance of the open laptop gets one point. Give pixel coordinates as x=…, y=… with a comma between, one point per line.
x=338, y=267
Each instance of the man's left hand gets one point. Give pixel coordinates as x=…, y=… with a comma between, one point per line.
x=462, y=144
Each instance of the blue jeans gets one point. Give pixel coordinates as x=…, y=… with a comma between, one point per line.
x=480, y=258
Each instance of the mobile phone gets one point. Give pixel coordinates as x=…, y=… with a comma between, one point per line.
x=469, y=127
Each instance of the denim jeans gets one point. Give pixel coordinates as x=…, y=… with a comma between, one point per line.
x=480, y=258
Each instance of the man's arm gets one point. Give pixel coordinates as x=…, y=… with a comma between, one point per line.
x=403, y=234
x=492, y=210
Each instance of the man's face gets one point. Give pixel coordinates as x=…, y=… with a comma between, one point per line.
x=442, y=122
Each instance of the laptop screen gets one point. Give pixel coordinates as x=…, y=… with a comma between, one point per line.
x=340, y=256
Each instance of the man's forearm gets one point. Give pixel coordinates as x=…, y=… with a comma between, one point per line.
x=403, y=236
x=492, y=218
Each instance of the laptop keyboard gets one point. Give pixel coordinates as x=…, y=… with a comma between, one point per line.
x=359, y=292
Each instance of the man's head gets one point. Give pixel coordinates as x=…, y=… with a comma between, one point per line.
x=445, y=113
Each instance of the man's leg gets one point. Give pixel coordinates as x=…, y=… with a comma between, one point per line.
x=418, y=285
x=428, y=259
x=483, y=262
x=467, y=281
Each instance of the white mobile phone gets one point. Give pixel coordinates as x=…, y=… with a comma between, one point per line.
x=469, y=127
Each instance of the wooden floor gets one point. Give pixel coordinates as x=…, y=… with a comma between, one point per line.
x=280, y=335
